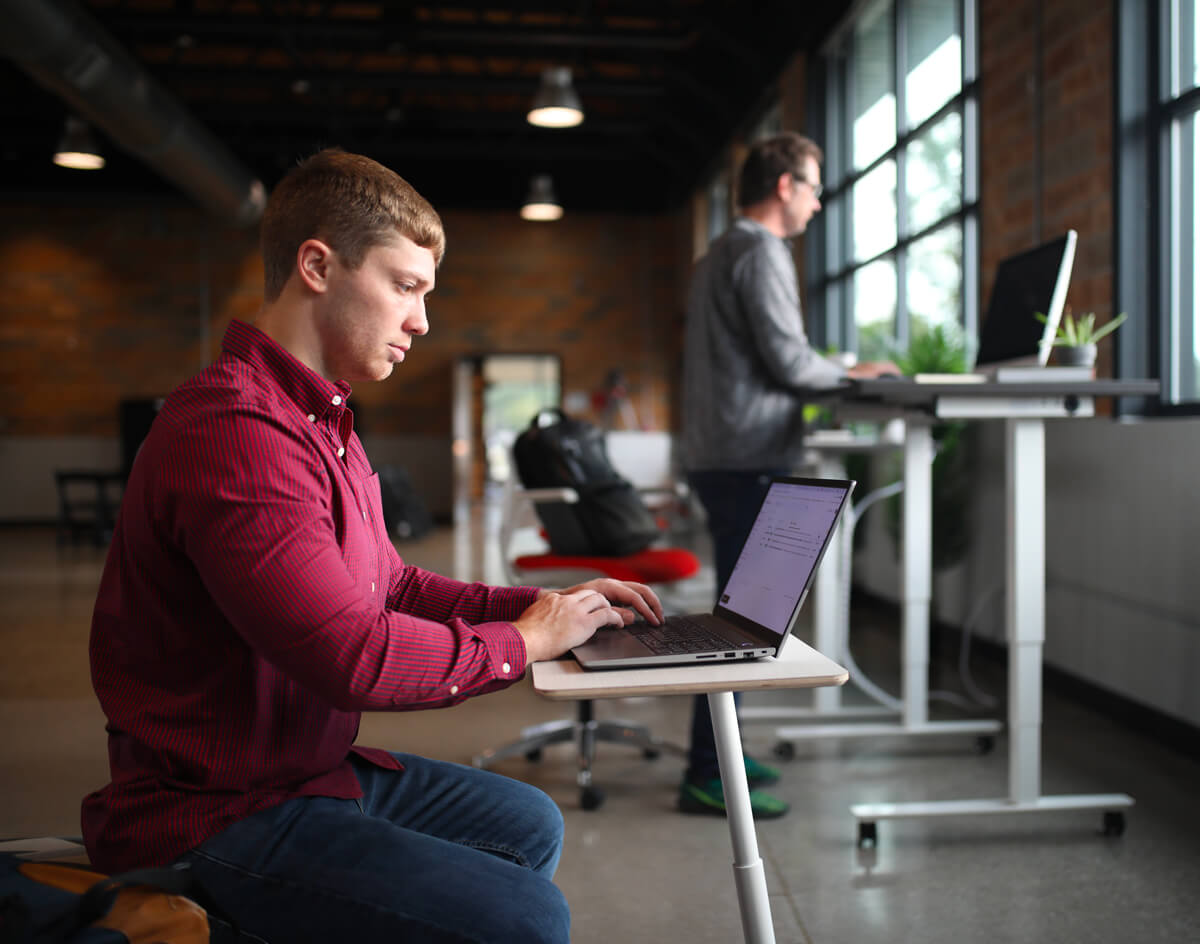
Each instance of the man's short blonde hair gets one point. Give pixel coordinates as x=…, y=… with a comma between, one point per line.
x=348, y=201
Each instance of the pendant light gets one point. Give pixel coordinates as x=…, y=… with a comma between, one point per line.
x=541, y=204
x=556, y=105
x=77, y=148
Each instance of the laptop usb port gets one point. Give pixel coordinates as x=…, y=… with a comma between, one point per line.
x=731, y=655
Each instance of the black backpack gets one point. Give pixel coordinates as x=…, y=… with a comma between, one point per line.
x=610, y=519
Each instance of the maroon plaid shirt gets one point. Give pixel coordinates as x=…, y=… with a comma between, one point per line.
x=252, y=606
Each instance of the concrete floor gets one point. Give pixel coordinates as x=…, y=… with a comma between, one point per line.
x=636, y=870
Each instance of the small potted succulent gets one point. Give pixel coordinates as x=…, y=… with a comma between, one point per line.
x=1076, y=337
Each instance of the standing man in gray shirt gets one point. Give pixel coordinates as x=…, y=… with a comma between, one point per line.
x=747, y=366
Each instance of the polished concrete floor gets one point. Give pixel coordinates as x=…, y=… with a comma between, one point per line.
x=635, y=869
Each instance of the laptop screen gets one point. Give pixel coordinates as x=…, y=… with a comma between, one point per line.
x=1032, y=281
x=778, y=560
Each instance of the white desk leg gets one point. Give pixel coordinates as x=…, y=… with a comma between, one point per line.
x=1025, y=612
x=1025, y=621
x=748, y=873
x=916, y=572
x=827, y=607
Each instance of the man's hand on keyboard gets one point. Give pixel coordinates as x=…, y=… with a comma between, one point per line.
x=561, y=620
x=625, y=594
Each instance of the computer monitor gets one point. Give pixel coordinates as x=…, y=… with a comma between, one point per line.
x=1032, y=281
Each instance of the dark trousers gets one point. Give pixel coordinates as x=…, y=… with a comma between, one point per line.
x=730, y=499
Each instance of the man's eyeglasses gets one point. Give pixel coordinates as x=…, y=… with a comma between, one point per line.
x=817, y=189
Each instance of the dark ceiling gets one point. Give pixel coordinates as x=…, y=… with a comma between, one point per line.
x=438, y=91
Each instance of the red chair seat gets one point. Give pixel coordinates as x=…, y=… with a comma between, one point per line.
x=653, y=565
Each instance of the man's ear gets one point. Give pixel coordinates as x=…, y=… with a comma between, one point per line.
x=783, y=186
x=313, y=259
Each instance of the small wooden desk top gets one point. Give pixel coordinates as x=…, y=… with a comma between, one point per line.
x=800, y=666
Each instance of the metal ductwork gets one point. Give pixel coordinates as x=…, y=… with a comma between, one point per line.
x=69, y=53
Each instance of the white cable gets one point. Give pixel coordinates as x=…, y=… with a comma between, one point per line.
x=857, y=675
x=977, y=696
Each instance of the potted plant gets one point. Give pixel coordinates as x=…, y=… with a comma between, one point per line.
x=1076, y=337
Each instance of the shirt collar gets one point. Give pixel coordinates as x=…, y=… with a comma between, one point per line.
x=311, y=392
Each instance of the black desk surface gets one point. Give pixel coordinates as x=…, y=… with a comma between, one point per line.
x=900, y=390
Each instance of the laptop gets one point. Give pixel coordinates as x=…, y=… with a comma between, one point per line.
x=761, y=601
x=1035, y=280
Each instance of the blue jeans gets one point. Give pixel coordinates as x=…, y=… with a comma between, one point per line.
x=730, y=499
x=438, y=853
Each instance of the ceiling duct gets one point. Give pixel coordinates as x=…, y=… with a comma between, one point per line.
x=69, y=53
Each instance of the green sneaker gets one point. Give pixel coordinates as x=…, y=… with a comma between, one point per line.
x=709, y=797
x=759, y=774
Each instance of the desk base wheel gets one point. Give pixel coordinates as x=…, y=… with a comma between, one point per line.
x=867, y=834
x=650, y=753
x=590, y=798
x=784, y=750
x=984, y=744
x=1114, y=823
x=534, y=756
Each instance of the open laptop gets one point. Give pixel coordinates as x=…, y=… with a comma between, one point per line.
x=1035, y=280
x=760, y=603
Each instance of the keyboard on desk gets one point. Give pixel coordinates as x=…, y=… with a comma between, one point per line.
x=680, y=634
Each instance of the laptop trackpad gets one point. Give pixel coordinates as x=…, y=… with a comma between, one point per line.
x=612, y=644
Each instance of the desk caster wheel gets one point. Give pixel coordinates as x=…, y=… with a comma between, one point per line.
x=785, y=750
x=867, y=834
x=534, y=756
x=590, y=798
x=984, y=744
x=1114, y=823
x=650, y=753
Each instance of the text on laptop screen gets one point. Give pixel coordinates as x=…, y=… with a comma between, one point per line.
x=778, y=558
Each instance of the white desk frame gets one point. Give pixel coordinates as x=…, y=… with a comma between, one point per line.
x=800, y=666
x=829, y=628
x=1024, y=412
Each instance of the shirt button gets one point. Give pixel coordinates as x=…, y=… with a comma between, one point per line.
x=372, y=586
x=453, y=689
x=337, y=400
x=311, y=418
x=506, y=668
x=364, y=516
x=341, y=451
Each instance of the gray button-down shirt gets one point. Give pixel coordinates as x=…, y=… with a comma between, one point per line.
x=747, y=360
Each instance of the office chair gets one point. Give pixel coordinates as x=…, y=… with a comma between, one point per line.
x=654, y=566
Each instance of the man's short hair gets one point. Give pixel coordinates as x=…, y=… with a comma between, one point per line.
x=348, y=201
x=784, y=153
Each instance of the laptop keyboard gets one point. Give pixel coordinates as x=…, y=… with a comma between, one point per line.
x=678, y=634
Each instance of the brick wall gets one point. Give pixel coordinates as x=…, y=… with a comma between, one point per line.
x=1046, y=103
x=104, y=303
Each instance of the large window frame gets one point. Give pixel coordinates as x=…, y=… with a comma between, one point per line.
x=831, y=260
x=1156, y=238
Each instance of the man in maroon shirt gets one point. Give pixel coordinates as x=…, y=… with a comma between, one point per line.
x=252, y=606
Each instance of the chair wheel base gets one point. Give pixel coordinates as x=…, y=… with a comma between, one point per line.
x=591, y=798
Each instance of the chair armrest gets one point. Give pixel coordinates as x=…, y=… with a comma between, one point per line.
x=567, y=495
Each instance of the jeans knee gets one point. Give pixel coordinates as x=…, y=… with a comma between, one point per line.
x=543, y=830
x=538, y=916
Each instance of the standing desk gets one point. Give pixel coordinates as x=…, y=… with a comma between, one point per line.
x=799, y=666
x=1024, y=407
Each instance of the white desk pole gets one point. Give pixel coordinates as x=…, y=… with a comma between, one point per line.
x=916, y=573
x=1025, y=609
x=748, y=873
x=827, y=602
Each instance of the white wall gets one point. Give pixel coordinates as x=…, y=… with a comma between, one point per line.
x=1122, y=557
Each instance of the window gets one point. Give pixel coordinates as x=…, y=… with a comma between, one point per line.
x=896, y=245
x=1157, y=213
